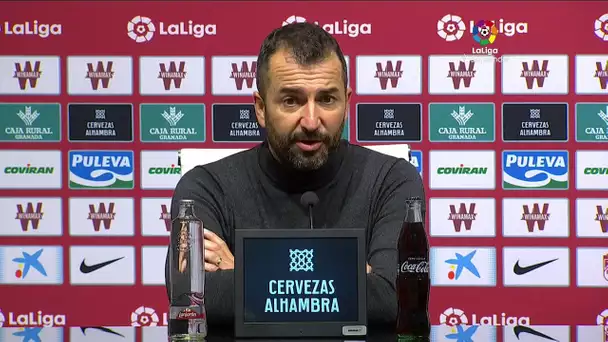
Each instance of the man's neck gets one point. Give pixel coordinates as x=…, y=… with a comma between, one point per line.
x=296, y=181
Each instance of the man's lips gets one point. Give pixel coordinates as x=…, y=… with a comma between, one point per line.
x=309, y=145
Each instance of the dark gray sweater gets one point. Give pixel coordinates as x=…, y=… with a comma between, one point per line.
x=357, y=188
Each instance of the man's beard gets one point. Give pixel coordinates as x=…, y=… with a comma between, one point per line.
x=285, y=149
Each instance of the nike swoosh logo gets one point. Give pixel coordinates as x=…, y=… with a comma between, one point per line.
x=104, y=329
x=523, y=270
x=84, y=268
x=518, y=329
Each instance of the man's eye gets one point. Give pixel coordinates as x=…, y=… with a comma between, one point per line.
x=289, y=101
x=328, y=99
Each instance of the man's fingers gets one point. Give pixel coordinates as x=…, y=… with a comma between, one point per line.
x=210, y=267
x=212, y=257
x=210, y=245
x=209, y=235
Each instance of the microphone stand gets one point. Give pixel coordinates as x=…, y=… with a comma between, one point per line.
x=310, y=215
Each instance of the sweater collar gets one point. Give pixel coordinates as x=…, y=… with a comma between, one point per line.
x=295, y=181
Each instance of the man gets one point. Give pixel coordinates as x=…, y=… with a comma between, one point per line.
x=302, y=101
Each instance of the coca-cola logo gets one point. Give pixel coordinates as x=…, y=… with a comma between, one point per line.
x=415, y=267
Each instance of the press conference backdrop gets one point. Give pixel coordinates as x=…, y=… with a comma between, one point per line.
x=509, y=135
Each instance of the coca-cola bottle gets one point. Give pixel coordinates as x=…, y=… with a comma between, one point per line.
x=187, y=314
x=413, y=282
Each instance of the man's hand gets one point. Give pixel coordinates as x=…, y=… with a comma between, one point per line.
x=217, y=253
x=369, y=268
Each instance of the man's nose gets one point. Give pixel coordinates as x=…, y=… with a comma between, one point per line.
x=310, y=117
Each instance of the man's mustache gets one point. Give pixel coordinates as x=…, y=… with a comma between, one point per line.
x=311, y=136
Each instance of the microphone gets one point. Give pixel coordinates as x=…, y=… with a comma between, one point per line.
x=309, y=199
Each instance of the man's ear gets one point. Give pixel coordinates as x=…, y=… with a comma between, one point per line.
x=260, y=109
x=349, y=93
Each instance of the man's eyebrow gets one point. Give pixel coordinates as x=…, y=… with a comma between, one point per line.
x=292, y=90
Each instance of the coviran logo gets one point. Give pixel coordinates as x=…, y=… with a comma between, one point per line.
x=596, y=171
x=462, y=170
x=162, y=170
x=32, y=28
x=29, y=169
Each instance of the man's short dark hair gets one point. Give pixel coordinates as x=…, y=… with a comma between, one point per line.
x=307, y=43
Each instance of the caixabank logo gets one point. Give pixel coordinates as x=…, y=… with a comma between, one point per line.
x=543, y=170
x=101, y=169
x=142, y=29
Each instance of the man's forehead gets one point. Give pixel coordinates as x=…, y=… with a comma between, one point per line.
x=284, y=69
x=285, y=59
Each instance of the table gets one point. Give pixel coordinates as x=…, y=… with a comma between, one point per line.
x=561, y=333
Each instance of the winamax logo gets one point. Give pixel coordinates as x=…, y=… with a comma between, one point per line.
x=453, y=317
x=142, y=29
x=31, y=28
x=101, y=169
x=31, y=319
x=342, y=27
x=535, y=170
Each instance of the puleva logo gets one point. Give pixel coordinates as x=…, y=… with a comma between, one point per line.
x=535, y=170
x=101, y=169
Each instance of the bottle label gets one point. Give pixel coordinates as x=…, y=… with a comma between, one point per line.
x=186, y=313
x=184, y=238
x=414, y=266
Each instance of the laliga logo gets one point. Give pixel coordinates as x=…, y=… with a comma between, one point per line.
x=601, y=27
x=337, y=27
x=451, y=27
x=294, y=19
x=453, y=317
x=144, y=317
x=602, y=318
x=141, y=29
x=2, y=319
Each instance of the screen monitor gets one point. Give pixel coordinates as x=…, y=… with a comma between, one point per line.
x=300, y=282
